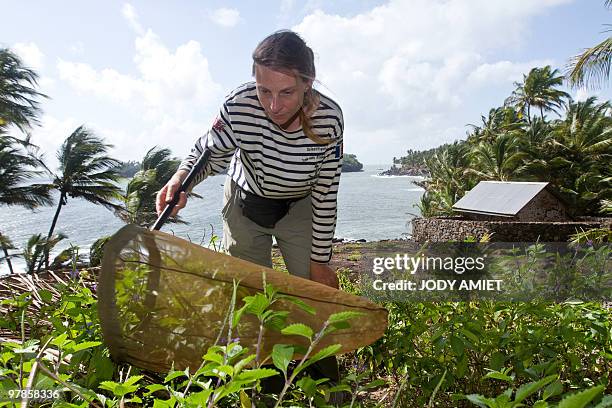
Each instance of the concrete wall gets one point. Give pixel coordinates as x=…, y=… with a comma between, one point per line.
x=456, y=229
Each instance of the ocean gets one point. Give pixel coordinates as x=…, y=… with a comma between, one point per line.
x=370, y=207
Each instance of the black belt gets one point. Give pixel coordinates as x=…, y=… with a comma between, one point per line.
x=265, y=212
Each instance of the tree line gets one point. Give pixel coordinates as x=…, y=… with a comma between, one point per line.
x=519, y=141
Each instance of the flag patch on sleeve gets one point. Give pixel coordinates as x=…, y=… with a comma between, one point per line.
x=218, y=124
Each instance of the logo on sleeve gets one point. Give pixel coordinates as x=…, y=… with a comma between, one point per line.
x=218, y=124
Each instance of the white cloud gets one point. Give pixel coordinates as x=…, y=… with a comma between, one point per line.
x=225, y=17
x=167, y=81
x=31, y=55
x=166, y=102
x=51, y=134
x=582, y=94
x=503, y=71
x=130, y=15
x=410, y=68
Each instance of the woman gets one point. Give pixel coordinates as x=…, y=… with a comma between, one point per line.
x=282, y=141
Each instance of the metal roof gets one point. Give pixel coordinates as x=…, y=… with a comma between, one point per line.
x=503, y=198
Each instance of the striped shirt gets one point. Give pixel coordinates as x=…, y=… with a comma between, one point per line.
x=273, y=163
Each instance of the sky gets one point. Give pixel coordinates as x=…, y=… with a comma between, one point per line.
x=408, y=74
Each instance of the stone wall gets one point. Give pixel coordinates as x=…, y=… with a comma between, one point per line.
x=458, y=229
x=543, y=207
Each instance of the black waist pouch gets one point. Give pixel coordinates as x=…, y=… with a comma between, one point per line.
x=265, y=212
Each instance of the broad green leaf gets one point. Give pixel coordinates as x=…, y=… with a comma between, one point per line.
x=323, y=353
x=340, y=387
x=555, y=388
x=606, y=402
x=374, y=384
x=256, y=374
x=540, y=404
x=526, y=390
x=308, y=385
x=226, y=369
x=473, y=338
x=245, y=401
x=298, y=329
x=480, y=400
x=169, y=403
x=343, y=316
x=256, y=304
x=199, y=398
x=457, y=345
x=582, y=398
x=119, y=390
x=153, y=388
x=242, y=363
x=499, y=376
x=497, y=360
x=213, y=356
x=45, y=295
x=282, y=354
x=133, y=379
x=276, y=320
x=83, y=346
x=300, y=303
x=60, y=340
x=174, y=374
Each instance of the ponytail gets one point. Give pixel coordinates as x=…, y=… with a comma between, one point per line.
x=311, y=100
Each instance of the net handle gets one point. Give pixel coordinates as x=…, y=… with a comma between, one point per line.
x=163, y=217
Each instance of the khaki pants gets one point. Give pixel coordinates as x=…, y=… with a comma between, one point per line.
x=247, y=240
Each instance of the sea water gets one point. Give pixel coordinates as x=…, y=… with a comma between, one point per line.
x=370, y=207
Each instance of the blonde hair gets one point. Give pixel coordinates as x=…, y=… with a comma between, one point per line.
x=286, y=51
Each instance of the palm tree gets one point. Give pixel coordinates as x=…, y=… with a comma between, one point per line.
x=19, y=107
x=157, y=167
x=592, y=67
x=449, y=179
x=538, y=90
x=580, y=153
x=17, y=168
x=498, y=160
x=36, y=248
x=499, y=120
x=85, y=171
x=18, y=98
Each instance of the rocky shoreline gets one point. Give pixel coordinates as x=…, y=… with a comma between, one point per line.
x=415, y=171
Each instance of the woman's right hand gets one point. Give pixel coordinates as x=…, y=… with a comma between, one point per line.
x=164, y=196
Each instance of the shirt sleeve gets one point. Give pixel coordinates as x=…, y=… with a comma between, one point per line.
x=222, y=143
x=324, y=201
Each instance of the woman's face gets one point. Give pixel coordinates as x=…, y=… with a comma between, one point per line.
x=280, y=94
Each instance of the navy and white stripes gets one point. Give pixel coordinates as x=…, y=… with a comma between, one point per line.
x=273, y=163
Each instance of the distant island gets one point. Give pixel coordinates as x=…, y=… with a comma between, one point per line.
x=350, y=163
x=414, y=163
x=407, y=170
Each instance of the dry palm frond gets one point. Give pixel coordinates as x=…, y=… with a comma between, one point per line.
x=11, y=286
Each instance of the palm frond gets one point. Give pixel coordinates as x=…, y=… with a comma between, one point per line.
x=591, y=68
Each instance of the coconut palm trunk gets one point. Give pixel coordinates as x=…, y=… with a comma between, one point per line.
x=61, y=202
x=6, y=255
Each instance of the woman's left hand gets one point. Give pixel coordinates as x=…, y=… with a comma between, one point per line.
x=322, y=273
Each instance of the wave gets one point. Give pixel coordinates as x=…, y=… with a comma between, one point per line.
x=386, y=177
